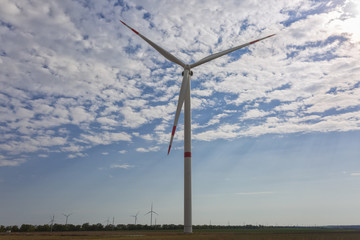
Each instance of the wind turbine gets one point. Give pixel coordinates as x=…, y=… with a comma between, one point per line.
x=135, y=216
x=151, y=213
x=184, y=96
x=52, y=222
x=67, y=216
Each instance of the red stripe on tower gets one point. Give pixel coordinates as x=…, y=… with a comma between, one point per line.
x=173, y=131
x=187, y=154
x=254, y=41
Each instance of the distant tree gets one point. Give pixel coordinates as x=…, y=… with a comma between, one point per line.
x=14, y=228
x=93, y=227
x=170, y=227
x=120, y=227
x=109, y=227
x=85, y=227
x=59, y=227
x=72, y=227
x=98, y=227
x=27, y=228
x=42, y=228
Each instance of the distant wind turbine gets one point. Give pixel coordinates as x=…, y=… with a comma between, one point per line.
x=52, y=222
x=67, y=216
x=135, y=216
x=184, y=96
x=151, y=213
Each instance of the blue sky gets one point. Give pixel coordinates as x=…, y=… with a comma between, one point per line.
x=86, y=112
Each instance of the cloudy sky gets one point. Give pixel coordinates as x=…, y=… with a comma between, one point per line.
x=86, y=111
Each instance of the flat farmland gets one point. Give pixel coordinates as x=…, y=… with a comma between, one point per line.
x=200, y=235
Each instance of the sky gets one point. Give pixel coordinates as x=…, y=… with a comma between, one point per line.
x=87, y=107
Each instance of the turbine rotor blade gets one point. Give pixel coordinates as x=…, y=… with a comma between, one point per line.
x=184, y=86
x=219, y=54
x=162, y=51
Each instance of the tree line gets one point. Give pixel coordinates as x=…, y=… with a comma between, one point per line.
x=120, y=227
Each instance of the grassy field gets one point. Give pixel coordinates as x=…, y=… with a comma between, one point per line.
x=229, y=235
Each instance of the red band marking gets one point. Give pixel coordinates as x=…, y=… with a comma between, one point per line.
x=130, y=27
x=135, y=31
x=254, y=41
x=173, y=131
x=169, y=149
x=187, y=154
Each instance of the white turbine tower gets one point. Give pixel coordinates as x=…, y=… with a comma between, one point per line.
x=184, y=96
x=151, y=213
x=135, y=216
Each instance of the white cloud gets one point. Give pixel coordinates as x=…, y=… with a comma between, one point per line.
x=255, y=113
x=76, y=155
x=355, y=174
x=107, y=121
x=123, y=166
x=226, y=131
x=75, y=80
x=11, y=163
x=149, y=149
x=216, y=119
x=79, y=114
x=132, y=118
x=147, y=137
x=201, y=92
x=73, y=148
x=105, y=138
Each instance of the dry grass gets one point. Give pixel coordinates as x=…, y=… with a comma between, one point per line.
x=235, y=235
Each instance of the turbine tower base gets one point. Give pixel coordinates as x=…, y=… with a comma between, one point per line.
x=187, y=229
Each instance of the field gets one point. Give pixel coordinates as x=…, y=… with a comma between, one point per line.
x=314, y=234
